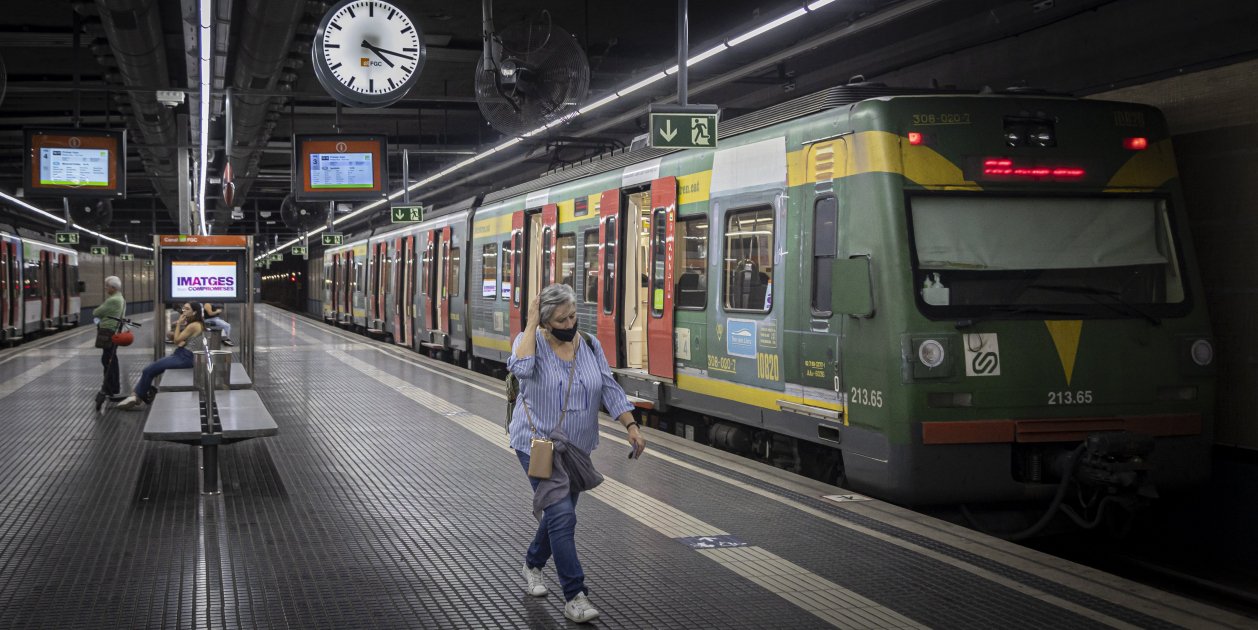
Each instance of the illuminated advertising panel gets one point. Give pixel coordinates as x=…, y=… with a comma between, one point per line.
x=210, y=281
x=340, y=168
x=75, y=163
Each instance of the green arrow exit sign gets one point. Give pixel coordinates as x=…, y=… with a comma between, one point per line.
x=332, y=238
x=406, y=214
x=67, y=238
x=299, y=250
x=100, y=251
x=126, y=257
x=683, y=130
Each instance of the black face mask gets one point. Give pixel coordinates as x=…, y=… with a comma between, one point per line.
x=565, y=334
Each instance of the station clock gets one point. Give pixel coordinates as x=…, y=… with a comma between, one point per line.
x=368, y=53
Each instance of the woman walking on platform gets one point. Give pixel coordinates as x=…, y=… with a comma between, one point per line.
x=188, y=331
x=564, y=378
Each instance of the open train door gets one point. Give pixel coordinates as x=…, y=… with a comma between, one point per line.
x=608, y=221
x=659, y=326
x=516, y=306
x=444, y=276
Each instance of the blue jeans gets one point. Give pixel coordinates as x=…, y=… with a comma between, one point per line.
x=555, y=535
x=181, y=358
x=221, y=324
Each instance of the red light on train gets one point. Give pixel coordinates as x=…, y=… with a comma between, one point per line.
x=915, y=138
x=1135, y=144
x=1005, y=167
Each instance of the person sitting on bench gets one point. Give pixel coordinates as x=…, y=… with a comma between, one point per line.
x=215, y=321
x=189, y=331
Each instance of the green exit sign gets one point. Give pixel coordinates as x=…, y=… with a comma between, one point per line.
x=148, y=262
x=332, y=238
x=299, y=250
x=406, y=214
x=100, y=251
x=126, y=257
x=67, y=238
x=276, y=257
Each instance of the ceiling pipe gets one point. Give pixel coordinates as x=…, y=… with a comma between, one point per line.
x=134, y=32
x=266, y=39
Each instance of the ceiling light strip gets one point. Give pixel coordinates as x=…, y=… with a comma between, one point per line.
x=707, y=54
x=19, y=202
x=207, y=49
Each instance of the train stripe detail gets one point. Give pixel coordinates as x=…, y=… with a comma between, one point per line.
x=766, y=398
x=1055, y=429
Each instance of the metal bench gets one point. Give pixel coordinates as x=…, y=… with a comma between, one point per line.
x=180, y=380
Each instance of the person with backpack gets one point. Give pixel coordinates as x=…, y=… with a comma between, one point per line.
x=563, y=380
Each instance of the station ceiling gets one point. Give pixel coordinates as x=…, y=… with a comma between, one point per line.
x=127, y=50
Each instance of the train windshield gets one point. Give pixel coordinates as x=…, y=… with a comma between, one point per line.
x=1041, y=258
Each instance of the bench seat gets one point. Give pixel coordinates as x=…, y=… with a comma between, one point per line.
x=176, y=416
x=180, y=380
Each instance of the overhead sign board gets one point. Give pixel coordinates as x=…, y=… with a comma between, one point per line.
x=100, y=251
x=299, y=250
x=277, y=257
x=126, y=257
x=67, y=238
x=406, y=214
x=332, y=238
x=683, y=130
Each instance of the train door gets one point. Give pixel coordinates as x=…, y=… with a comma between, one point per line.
x=378, y=288
x=443, y=278
x=64, y=282
x=516, y=308
x=329, y=287
x=401, y=314
x=539, y=265
x=550, y=232
x=45, y=283
x=347, y=286
x=5, y=298
x=608, y=249
x=427, y=285
x=659, y=321
x=635, y=285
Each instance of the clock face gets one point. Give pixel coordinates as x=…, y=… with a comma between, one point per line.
x=368, y=53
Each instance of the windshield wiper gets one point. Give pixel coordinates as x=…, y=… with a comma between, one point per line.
x=1091, y=292
x=1006, y=312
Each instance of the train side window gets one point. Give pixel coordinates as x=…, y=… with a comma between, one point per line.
x=589, y=262
x=692, y=261
x=825, y=246
x=749, y=260
x=609, y=264
x=659, y=234
x=456, y=258
x=566, y=253
x=425, y=267
x=489, y=271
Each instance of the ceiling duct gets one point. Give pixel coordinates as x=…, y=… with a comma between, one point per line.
x=266, y=39
x=133, y=29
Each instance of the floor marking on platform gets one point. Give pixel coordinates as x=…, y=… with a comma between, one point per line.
x=809, y=591
x=1149, y=604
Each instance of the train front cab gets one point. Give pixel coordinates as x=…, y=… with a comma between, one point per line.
x=1026, y=300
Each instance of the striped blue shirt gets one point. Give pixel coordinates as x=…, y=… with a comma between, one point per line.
x=543, y=381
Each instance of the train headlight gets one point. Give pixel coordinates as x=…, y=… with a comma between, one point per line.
x=1202, y=352
x=931, y=353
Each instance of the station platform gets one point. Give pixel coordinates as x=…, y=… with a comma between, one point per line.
x=389, y=499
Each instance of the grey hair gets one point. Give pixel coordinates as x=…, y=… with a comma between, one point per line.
x=114, y=282
x=553, y=297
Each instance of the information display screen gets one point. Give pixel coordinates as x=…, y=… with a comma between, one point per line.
x=206, y=275
x=340, y=168
x=75, y=162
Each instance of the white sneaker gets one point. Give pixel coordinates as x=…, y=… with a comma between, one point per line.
x=130, y=403
x=535, y=586
x=580, y=610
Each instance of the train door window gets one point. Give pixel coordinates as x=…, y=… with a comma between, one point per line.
x=444, y=259
x=425, y=268
x=548, y=247
x=659, y=236
x=489, y=271
x=74, y=281
x=692, y=260
x=566, y=250
x=825, y=246
x=517, y=267
x=589, y=265
x=749, y=260
x=609, y=264
x=456, y=257
x=30, y=280
x=505, y=261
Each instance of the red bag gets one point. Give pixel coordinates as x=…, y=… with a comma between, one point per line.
x=124, y=338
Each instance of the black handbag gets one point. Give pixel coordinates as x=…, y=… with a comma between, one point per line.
x=104, y=338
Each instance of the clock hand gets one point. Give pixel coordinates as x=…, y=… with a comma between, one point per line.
x=366, y=44
x=378, y=50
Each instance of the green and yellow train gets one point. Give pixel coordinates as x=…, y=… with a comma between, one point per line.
x=930, y=298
